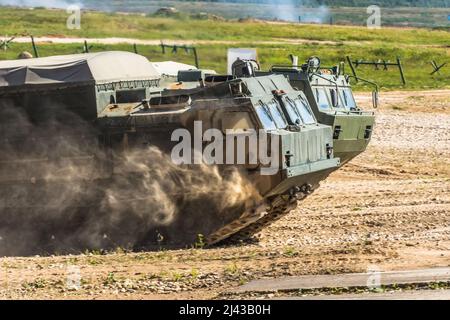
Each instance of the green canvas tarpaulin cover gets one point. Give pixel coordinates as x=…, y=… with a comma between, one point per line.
x=77, y=69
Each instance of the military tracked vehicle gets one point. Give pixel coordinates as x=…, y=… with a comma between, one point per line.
x=330, y=95
x=70, y=122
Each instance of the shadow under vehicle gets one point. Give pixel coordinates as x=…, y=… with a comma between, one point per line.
x=69, y=123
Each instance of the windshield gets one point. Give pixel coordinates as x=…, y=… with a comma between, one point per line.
x=277, y=114
x=304, y=110
x=293, y=112
x=322, y=99
x=265, y=116
x=337, y=98
x=347, y=98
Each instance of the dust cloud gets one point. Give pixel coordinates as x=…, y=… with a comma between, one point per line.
x=62, y=192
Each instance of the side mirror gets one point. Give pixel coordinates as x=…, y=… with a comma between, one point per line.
x=375, y=99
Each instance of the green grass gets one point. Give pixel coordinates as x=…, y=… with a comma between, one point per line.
x=95, y=24
x=416, y=47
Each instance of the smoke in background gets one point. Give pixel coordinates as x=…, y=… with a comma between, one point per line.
x=295, y=11
x=61, y=4
x=57, y=194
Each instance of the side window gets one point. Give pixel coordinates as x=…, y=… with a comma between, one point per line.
x=322, y=99
x=304, y=110
x=277, y=114
x=265, y=116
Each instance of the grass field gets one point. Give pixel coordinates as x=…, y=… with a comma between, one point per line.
x=341, y=12
x=96, y=24
x=416, y=47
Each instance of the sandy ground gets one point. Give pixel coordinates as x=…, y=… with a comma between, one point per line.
x=389, y=209
x=156, y=42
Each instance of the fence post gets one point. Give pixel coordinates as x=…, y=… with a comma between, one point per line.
x=196, y=57
x=86, y=48
x=36, y=52
x=437, y=67
x=400, y=67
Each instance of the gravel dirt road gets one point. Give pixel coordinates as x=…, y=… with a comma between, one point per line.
x=157, y=42
x=389, y=209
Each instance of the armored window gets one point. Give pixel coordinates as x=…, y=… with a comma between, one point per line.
x=293, y=112
x=343, y=100
x=349, y=101
x=304, y=110
x=334, y=97
x=277, y=114
x=337, y=98
x=265, y=116
x=322, y=99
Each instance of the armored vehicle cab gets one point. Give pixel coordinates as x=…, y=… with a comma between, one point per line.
x=330, y=96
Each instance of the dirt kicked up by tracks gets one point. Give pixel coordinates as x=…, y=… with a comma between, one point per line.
x=389, y=209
